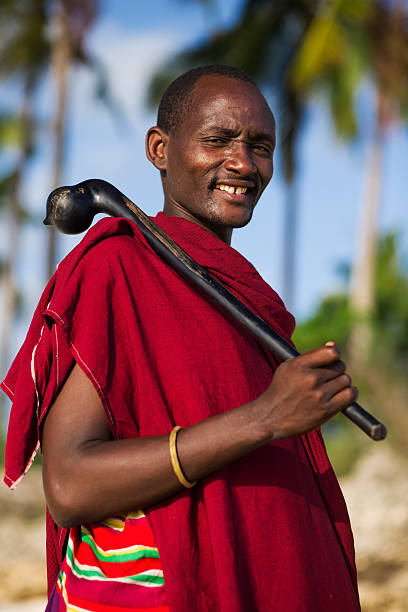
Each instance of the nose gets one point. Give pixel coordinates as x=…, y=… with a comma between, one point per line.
x=239, y=159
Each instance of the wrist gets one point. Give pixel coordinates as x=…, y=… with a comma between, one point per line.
x=264, y=429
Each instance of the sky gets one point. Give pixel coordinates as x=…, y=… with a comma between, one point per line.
x=132, y=39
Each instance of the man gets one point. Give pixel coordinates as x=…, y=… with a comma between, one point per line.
x=128, y=352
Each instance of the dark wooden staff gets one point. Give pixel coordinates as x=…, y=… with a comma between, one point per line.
x=71, y=209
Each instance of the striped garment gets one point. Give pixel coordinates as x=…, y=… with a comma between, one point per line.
x=105, y=571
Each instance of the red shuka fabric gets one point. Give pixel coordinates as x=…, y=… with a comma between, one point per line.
x=270, y=531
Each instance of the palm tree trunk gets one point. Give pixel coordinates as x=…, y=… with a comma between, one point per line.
x=362, y=294
x=8, y=297
x=9, y=292
x=60, y=63
x=290, y=244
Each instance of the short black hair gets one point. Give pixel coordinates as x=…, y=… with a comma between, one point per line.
x=177, y=100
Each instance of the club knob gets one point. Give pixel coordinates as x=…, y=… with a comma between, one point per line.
x=70, y=209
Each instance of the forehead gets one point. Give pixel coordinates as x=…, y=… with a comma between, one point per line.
x=229, y=103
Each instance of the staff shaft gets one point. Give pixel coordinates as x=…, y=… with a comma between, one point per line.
x=72, y=209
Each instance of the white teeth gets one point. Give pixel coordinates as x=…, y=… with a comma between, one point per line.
x=231, y=189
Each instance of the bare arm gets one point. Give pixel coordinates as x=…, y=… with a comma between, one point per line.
x=88, y=476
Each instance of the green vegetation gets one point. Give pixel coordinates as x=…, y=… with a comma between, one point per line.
x=382, y=380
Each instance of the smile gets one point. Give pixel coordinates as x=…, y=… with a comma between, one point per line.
x=231, y=189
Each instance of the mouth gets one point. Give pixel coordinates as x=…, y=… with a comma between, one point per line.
x=234, y=187
x=231, y=189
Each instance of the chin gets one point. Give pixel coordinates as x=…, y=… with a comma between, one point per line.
x=242, y=222
x=226, y=214
x=240, y=218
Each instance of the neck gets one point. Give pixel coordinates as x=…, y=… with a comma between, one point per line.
x=223, y=233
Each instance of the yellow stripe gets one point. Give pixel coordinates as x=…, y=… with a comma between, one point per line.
x=135, y=515
x=72, y=608
x=118, y=522
x=114, y=523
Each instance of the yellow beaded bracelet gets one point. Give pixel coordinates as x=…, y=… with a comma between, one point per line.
x=175, y=460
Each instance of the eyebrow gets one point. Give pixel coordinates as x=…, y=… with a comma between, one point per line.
x=253, y=136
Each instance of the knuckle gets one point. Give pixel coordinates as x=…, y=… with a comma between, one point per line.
x=350, y=394
x=311, y=380
x=346, y=379
x=319, y=395
x=341, y=366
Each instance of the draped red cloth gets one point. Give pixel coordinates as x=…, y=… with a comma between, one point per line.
x=270, y=531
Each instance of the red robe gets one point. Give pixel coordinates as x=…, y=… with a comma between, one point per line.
x=268, y=532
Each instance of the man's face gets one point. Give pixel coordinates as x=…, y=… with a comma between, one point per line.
x=220, y=160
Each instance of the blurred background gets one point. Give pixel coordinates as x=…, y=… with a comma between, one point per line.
x=79, y=84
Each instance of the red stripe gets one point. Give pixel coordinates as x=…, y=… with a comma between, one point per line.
x=113, y=594
x=96, y=607
x=135, y=531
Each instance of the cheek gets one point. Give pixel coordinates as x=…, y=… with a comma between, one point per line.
x=200, y=159
x=191, y=166
x=198, y=174
x=198, y=162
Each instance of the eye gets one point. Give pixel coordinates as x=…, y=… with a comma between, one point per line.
x=262, y=148
x=217, y=140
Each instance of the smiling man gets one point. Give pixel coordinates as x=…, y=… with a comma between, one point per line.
x=187, y=465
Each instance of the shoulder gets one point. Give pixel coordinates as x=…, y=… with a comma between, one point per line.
x=109, y=240
x=110, y=253
x=112, y=235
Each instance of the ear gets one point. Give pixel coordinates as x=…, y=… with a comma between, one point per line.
x=156, y=147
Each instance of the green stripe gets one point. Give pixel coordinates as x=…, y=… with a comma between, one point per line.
x=120, y=557
x=158, y=580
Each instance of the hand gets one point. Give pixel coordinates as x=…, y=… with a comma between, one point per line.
x=305, y=392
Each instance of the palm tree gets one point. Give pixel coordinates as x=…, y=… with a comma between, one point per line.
x=346, y=42
x=23, y=53
x=387, y=52
x=69, y=23
x=33, y=35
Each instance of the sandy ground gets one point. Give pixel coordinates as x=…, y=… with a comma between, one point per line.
x=30, y=605
x=376, y=495
x=22, y=542
x=377, y=498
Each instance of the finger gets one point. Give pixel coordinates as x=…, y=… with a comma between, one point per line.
x=335, y=386
x=330, y=372
x=324, y=355
x=343, y=398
